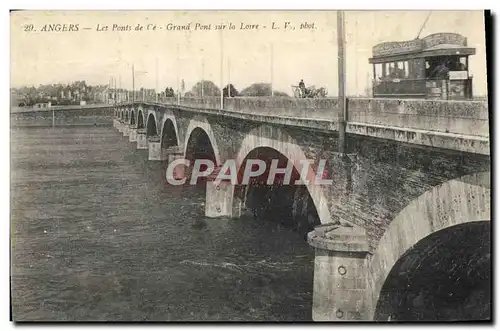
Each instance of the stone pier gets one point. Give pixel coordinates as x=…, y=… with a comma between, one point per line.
x=126, y=130
x=340, y=272
x=142, y=142
x=172, y=153
x=132, y=133
x=155, y=150
x=179, y=172
x=119, y=126
x=220, y=200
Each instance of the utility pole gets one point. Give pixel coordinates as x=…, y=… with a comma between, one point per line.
x=355, y=61
x=156, y=88
x=178, y=77
x=120, y=87
x=221, y=71
x=228, y=77
x=133, y=84
x=202, y=76
x=114, y=88
x=272, y=69
x=342, y=76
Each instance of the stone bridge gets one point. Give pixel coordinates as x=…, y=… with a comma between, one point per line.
x=409, y=201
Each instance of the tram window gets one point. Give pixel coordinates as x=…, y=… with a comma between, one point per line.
x=378, y=71
x=396, y=70
x=463, y=63
x=402, y=70
x=406, y=68
x=429, y=67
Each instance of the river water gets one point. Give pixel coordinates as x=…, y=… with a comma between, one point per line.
x=97, y=235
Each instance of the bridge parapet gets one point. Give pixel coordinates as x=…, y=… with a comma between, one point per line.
x=203, y=103
x=324, y=108
x=168, y=101
x=469, y=118
x=455, y=125
x=458, y=117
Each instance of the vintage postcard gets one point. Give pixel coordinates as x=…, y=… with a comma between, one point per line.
x=178, y=166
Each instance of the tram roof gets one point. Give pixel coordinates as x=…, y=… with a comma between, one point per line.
x=437, y=44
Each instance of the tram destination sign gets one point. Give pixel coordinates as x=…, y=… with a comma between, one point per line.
x=397, y=47
x=416, y=45
x=444, y=38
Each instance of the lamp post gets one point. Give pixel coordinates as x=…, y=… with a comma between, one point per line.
x=272, y=69
x=342, y=75
x=202, y=73
x=178, y=77
x=133, y=84
x=134, y=73
x=120, y=88
x=228, y=77
x=221, y=71
x=156, y=87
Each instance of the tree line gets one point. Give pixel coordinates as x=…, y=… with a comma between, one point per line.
x=73, y=93
x=56, y=93
x=210, y=89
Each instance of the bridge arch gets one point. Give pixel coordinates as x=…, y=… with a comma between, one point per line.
x=287, y=147
x=140, y=118
x=132, y=117
x=447, y=207
x=201, y=123
x=169, y=131
x=151, y=128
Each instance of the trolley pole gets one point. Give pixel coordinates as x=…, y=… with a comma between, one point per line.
x=342, y=76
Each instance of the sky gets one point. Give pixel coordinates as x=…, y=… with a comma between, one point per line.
x=161, y=56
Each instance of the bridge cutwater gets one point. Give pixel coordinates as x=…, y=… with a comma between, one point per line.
x=414, y=179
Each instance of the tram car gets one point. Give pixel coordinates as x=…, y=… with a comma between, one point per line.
x=434, y=67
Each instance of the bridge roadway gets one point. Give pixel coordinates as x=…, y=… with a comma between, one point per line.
x=415, y=174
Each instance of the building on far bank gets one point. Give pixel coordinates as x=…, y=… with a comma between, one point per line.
x=42, y=105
